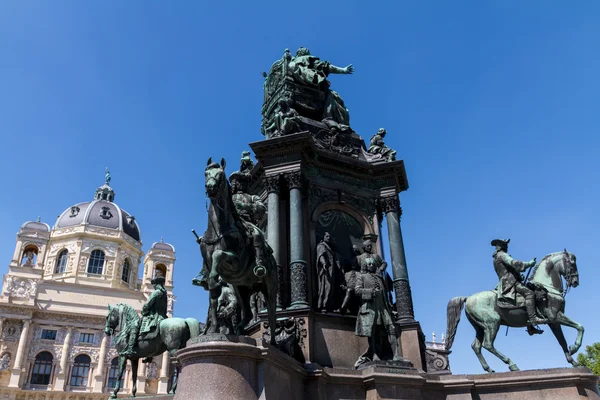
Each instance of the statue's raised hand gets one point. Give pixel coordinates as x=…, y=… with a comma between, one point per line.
x=349, y=69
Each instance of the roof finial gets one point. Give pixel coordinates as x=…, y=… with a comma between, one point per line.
x=38, y=220
x=107, y=176
x=161, y=239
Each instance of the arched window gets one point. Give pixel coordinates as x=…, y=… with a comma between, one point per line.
x=29, y=258
x=61, y=262
x=125, y=273
x=96, y=263
x=162, y=268
x=41, y=369
x=81, y=370
x=113, y=374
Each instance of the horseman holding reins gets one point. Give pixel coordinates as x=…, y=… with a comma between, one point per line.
x=153, y=312
x=511, y=281
x=251, y=210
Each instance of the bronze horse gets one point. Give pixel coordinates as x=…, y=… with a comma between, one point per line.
x=229, y=254
x=486, y=317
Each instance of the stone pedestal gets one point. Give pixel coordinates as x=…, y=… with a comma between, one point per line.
x=242, y=368
x=15, y=378
x=216, y=367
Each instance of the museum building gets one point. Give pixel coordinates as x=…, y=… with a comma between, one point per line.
x=55, y=298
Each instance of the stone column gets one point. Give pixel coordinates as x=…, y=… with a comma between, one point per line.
x=163, y=380
x=141, y=376
x=404, y=306
x=61, y=377
x=298, y=275
x=1, y=325
x=15, y=376
x=99, y=377
x=272, y=185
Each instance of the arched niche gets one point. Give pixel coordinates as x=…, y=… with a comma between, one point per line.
x=29, y=255
x=346, y=225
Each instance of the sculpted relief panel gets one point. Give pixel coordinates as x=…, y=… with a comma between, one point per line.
x=20, y=288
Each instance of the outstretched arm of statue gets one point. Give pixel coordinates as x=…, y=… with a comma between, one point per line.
x=339, y=70
x=512, y=264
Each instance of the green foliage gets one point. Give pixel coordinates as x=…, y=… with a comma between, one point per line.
x=591, y=358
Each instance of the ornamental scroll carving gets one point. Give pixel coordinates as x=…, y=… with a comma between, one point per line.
x=272, y=183
x=390, y=204
x=294, y=179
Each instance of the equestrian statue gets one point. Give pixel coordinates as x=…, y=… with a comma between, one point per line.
x=149, y=336
x=519, y=302
x=234, y=249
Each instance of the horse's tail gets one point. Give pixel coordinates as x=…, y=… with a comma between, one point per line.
x=455, y=307
x=193, y=326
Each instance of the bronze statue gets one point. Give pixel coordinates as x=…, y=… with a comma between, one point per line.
x=487, y=314
x=159, y=333
x=348, y=305
x=511, y=281
x=380, y=266
x=251, y=210
x=227, y=310
x=153, y=312
x=312, y=71
x=257, y=303
x=375, y=314
x=234, y=249
x=285, y=120
x=377, y=146
x=246, y=163
x=329, y=274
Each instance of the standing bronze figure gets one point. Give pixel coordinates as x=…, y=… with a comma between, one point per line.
x=374, y=319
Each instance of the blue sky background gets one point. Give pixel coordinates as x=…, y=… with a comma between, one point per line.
x=493, y=106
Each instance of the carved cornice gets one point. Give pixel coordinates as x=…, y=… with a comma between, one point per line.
x=272, y=184
x=294, y=179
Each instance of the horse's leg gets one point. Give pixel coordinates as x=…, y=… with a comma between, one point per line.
x=214, y=290
x=562, y=319
x=122, y=363
x=476, y=346
x=558, y=333
x=134, y=368
x=243, y=294
x=489, y=336
x=270, y=293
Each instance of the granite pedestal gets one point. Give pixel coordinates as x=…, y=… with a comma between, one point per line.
x=244, y=368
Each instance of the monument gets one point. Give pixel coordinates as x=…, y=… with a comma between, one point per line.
x=291, y=227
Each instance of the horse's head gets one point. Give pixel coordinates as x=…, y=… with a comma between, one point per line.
x=215, y=178
x=112, y=320
x=570, y=269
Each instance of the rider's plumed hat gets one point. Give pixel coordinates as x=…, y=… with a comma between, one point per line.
x=500, y=242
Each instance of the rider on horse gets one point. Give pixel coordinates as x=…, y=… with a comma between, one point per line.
x=153, y=312
x=511, y=281
x=250, y=209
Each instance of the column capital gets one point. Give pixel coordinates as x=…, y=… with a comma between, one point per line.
x=294, y=179
x=390, y=204
x=272, y=183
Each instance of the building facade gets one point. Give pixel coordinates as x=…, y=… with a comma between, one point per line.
x=55, y=298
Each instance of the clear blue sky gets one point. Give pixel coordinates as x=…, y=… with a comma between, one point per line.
x=493, y=106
